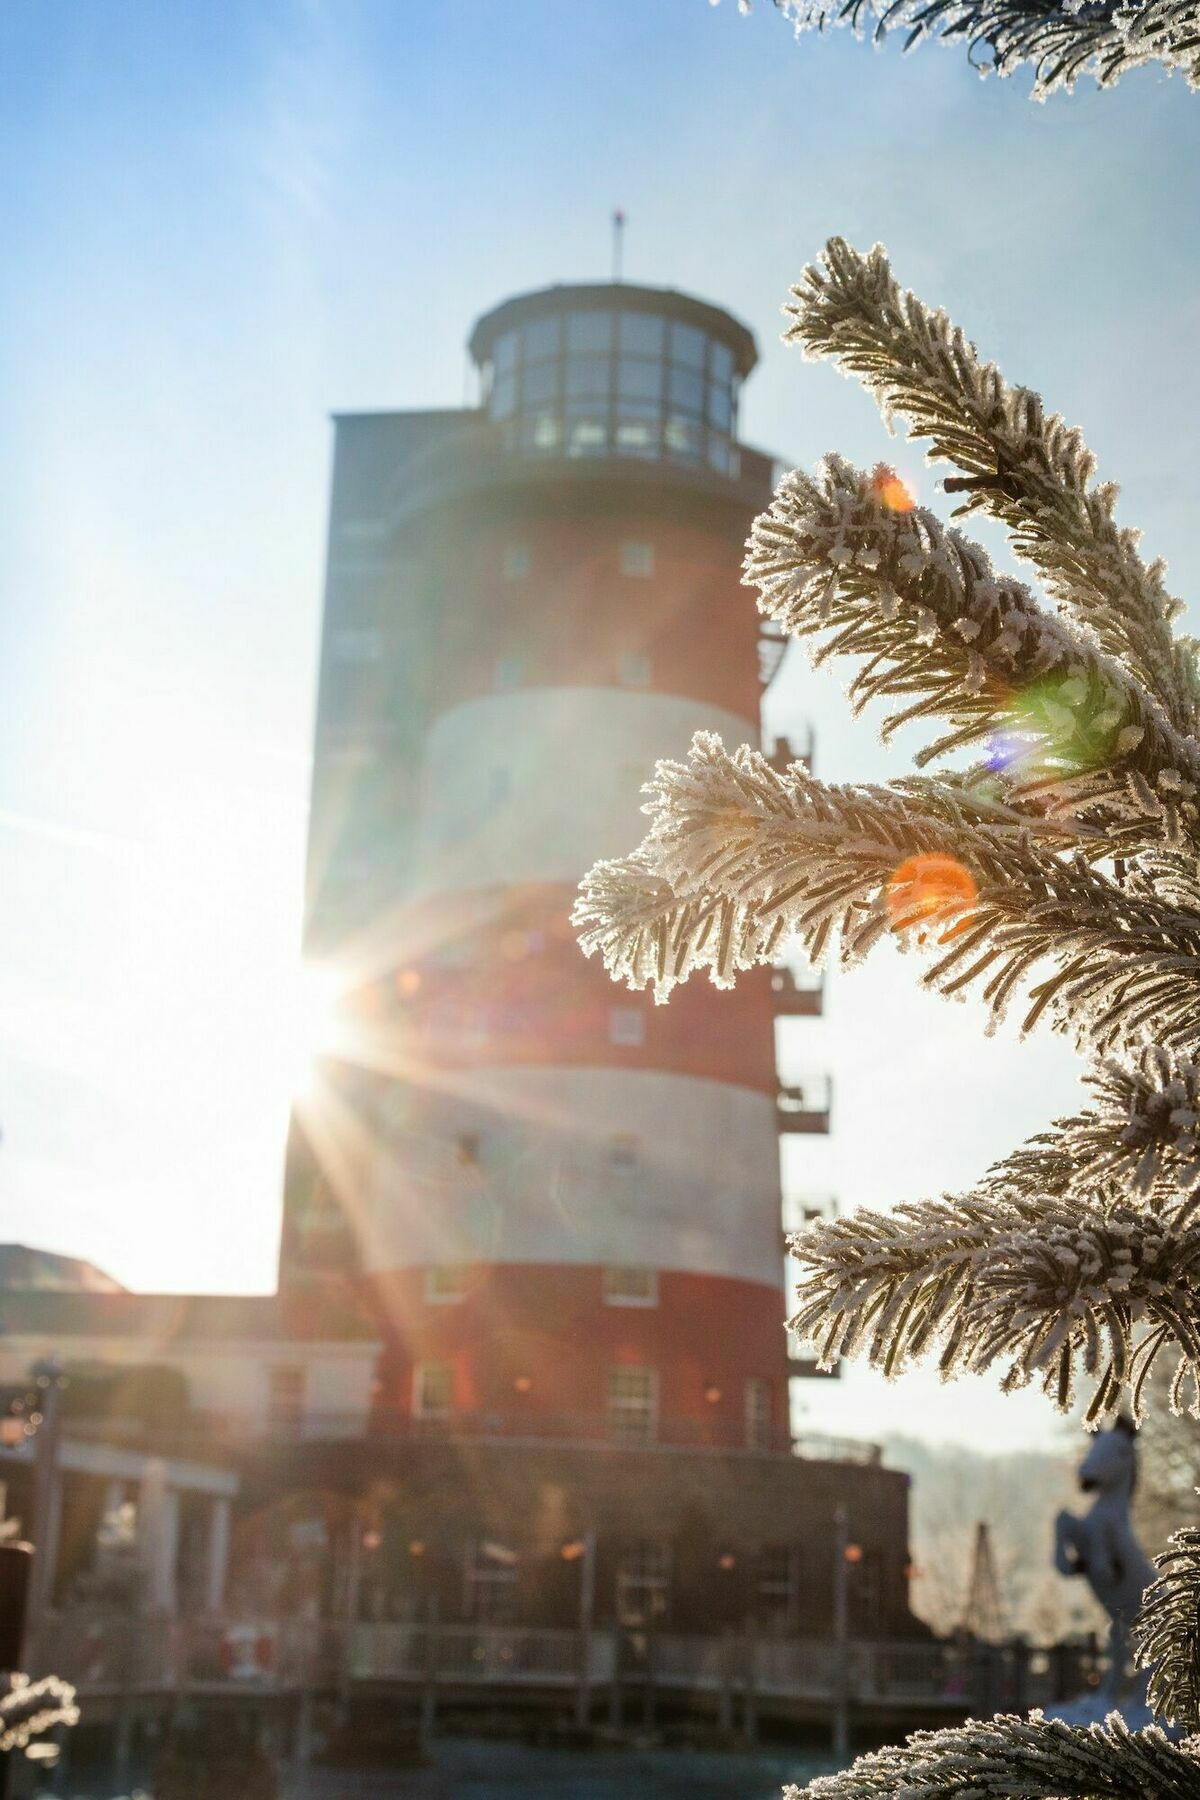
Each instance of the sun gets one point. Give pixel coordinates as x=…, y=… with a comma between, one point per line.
x=319, y=1025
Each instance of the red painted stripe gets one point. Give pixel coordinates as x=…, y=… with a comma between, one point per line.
x=504, y=983
x=531, y=1346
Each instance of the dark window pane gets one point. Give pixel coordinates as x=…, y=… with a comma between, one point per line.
x=505, y=353
x=504, y=396
x=720, y=454
x=538, y=385
x=638, y=379
x=541, y=337
x=588, y=375
x=642, y=333
x=638, y=409
x=687, y=346
x=589, y=331
x=720, y=365
x=686, y=391
x=684, y=440
x=720, y=405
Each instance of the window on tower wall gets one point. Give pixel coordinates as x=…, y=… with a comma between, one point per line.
x=623, y=1150
x=758, y=1413
x=632, y=1404
x=631, y=1287
x=516, y=561
x=510, y=671
x=445, y=1283
x=626, y=1026
x=433, y=1390
x=634, y=669
x=637, y=558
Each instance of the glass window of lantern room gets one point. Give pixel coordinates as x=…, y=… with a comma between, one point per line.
x=720, y=362
x=632, y=1404
x=589, y=331
x=588, y=376
x=758, y=1413
x=639, y=429
x=638, y=379
x=541, y=338
x=642, y=334
x=504, y=396
x=504, y=355
x=688, y=346
x=539, y=385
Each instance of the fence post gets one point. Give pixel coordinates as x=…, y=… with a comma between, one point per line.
x=587, y=1605
x=841, y=1659
x=725, y=1697
x=750, y=1700
x=429, y=1690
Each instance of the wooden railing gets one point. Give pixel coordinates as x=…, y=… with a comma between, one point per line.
x=107, y=1655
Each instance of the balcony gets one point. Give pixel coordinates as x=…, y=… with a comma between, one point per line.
x=804, y=1107
x=772, y=646
x=785, y=751
x=797, y=993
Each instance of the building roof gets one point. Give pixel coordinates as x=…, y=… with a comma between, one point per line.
x=23, y=1268
x=619, y=296
x=329, y=1312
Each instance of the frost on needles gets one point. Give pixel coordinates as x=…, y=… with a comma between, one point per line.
x=1060, y=40
x=1050, y=863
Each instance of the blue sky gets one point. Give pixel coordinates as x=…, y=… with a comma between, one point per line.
x=223, y=223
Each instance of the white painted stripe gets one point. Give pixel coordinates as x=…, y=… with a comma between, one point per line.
x=611, y=1166
x=535, y=785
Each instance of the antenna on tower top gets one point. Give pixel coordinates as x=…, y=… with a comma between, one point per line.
x=618, y=242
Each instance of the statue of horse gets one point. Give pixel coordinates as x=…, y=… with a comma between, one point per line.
x=1101, y=1546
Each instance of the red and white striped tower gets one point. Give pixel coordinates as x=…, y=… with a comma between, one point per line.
x=566, y=1199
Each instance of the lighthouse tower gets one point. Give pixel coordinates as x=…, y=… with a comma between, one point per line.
x=564, y=1202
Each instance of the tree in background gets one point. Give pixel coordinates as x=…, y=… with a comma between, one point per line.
x=1059, y=864
x=1059, y=39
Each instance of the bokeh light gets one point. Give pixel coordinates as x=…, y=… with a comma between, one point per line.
x=929, y=890
x=890, y=491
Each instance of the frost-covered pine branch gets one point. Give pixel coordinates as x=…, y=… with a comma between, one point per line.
x=1059, y=861
x=1034, y=1758
x=1030, y=471
x=741, y=859
x=1060, y=40
x=1167, y=1634
x=28, y=1709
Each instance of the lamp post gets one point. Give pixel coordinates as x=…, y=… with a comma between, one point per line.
x=44, y=1523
